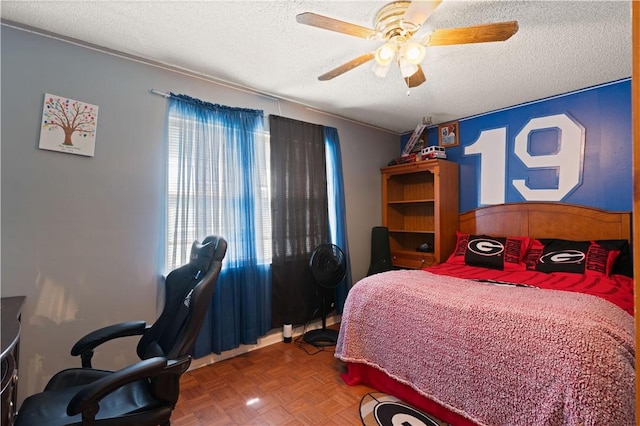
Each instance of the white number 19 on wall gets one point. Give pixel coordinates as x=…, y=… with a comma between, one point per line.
x=567, y=159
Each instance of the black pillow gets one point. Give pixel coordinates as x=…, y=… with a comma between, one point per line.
x=580, y=257
x=624, y=261
x=504, y=253
x=562, y=255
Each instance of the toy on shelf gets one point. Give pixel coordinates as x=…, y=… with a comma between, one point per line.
x=432, y=152
x=416, y=135
x=415, y=150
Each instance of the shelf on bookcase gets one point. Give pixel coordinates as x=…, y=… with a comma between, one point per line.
x=412, y=231
x=426, y=200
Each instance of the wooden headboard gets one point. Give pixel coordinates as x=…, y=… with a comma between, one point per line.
x=547, y=220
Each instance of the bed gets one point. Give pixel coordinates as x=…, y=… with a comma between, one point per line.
x=512, y=345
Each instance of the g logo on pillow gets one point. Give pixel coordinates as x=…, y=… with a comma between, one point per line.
x=565, y=256
x=485, y=247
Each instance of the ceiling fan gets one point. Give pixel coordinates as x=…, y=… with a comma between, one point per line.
x=395, y=25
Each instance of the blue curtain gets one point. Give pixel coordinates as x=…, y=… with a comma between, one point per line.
x=337, y=208
x=217, y=185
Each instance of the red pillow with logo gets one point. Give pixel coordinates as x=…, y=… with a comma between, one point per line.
x=579, y=257
x=505, y=253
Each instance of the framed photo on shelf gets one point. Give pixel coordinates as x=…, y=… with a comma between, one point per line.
x=448, y=134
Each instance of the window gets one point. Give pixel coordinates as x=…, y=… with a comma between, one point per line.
x=204, y=176
x=218, y=183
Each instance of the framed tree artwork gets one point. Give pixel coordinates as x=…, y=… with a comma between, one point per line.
x=68, y=125
x=448, y=134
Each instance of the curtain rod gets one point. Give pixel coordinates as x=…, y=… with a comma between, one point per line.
x=157, y=92
x=167, y=95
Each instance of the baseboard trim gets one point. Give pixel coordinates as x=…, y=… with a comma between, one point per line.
x=272, y=337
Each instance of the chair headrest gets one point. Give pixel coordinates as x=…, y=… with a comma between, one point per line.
x=203, y=254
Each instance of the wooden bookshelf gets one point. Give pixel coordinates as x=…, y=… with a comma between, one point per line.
x=420, y=205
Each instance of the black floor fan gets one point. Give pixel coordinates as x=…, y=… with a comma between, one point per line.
x=328, y=267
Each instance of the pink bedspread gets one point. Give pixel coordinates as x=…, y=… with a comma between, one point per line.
x=496, y=355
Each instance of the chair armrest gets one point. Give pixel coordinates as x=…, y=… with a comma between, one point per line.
x=88, y=343
x=87, y=399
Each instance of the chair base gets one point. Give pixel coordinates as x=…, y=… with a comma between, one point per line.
x=321, y=337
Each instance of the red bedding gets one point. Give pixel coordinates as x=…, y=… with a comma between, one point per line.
x=617, y=289
x=366, y=375
x=474, y=353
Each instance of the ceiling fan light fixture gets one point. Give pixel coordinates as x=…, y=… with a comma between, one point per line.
x=407, y=69
x=413, y=52
x=397, y=25
x=381, y=70
x=385, y=54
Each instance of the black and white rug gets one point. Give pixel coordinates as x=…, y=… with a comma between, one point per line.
x=380, y=409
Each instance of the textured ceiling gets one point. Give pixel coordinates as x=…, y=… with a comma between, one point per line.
x=559, y=47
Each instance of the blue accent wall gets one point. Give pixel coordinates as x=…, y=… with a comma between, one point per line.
x=597, y=170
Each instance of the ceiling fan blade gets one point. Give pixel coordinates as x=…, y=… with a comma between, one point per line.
x=418, y=11
x=347, y=67
x=324, y=22
x=499, y=31
x=416, y=79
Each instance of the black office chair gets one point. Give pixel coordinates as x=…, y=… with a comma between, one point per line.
x=145, y=393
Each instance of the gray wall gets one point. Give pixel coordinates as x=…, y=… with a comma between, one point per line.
x=82, y=237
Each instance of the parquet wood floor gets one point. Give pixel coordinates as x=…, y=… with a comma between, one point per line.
x=280, y=384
